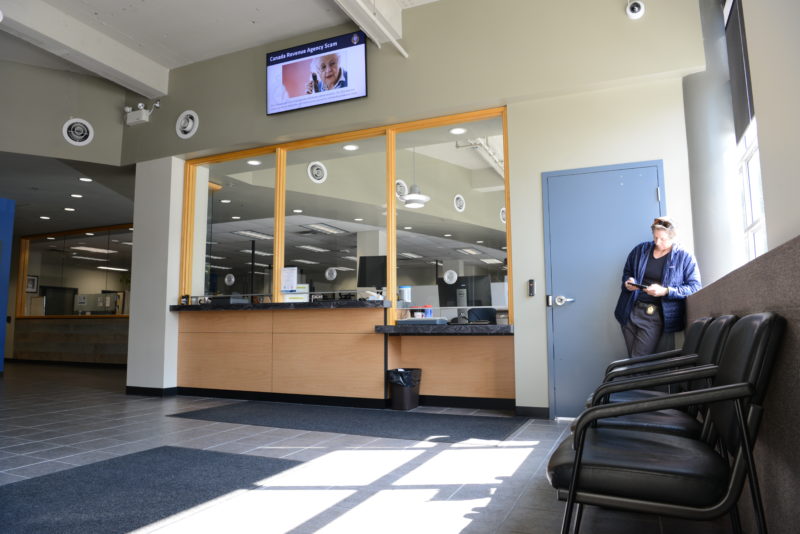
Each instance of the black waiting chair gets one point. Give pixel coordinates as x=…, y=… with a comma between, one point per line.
x=649, y=472
x=482, y=314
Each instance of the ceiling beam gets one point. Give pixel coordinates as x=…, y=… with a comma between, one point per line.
x=48, y=28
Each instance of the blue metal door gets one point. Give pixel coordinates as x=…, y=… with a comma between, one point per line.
x=593, y=218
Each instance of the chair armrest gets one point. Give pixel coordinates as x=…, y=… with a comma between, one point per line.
x=652, y=380
x=677, y=400
x=649, y=367
x=641, y=359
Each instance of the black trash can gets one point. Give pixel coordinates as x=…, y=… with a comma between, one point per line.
x=404, y=388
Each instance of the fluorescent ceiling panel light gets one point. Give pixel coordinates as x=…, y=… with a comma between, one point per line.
x=210, y=257
x=410, y=255
x=344, y=269
x=297, y=211
x=324, y=228
x=89, y=233
x=447, y=235
x=251, y=233
x=111, y=268
x=257, y=264
x=312, y=248
x=458, y=131
x=490, y=261
x=88, y=258
x=51, y=238
x=256, y=252
x=351, y=258
x=76, y=195
x=225, y=201
x=309, y=262
x=350, y=148
x=468, y=251
x=84, y=179
x=358, y=219
x=95, y=250
x=219, y=267
x=235, y=217
x=44, y=217
x=130, y=244
x=253, y=162
x=408, y=227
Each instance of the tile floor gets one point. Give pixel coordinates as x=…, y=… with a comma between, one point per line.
x=58, y=417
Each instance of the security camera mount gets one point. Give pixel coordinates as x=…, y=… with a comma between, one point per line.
x=635, y=9
x=141, y=114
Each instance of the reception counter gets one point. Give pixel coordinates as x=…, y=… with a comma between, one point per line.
x=338, y=352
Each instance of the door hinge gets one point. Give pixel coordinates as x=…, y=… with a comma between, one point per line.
x=549, y=300
x=658, y=193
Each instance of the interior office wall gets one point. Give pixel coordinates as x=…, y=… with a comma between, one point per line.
x=772, y=44
x=463, y=55
x=35, y=103
x=622, y=125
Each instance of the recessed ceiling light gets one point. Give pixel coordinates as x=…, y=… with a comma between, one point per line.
x=235, y=217
x=44, y=217
x=256, y=252
x=76, y=195
x=84, y=179
x=407, y=227
x=251, y=233
x=468, y=251
x=503, y=247
x=297, y=211
x=312, y=248
x=225, y=201
x=253, y=162
x=308, y=262
x=324, y=228
x=95, y=250
x=358, y=219
x=458, y=131
x=50, y=238
x=131, y=229
x=350, y=148
x=88, y=258
x=479, y=242
x=448, y=235
x=69, y=209
x=89, y=233
x=111, y=268
x=490, y=261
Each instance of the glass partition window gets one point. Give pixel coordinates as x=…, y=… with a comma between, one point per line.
x=335, y=218
x=87, y=273
x=239, y=229
x=451, y=228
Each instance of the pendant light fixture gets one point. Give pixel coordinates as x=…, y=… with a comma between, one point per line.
x=414, y=198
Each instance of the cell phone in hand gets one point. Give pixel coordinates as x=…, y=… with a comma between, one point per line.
x=640, y=286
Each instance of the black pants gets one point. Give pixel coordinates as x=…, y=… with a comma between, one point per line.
x=642, y=332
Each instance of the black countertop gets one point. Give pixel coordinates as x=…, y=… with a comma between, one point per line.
x=447, y=330
x=315, y=305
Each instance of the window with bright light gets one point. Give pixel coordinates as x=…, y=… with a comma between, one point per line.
x=755, y=230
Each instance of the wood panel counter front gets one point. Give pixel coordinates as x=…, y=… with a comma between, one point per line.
x=323, y=352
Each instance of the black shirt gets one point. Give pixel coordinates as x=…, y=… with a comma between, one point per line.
x=653, y=274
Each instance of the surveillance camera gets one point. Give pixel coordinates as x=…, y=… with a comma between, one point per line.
x=140, y=106
x=635, y=9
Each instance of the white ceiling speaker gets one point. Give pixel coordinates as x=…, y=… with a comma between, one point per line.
x=187, y=123
x=317, y=172
x=635, y=9
x=78, y=132
x=459, y=203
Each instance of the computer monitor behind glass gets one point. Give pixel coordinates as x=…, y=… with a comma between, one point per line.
x=372, y=271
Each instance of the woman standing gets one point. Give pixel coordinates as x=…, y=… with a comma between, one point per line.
x=657, y=277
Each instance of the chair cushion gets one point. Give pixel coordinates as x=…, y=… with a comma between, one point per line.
x=643, y=466
x=664, y=421
x=636, y=394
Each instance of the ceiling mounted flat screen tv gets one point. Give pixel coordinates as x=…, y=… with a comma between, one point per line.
x=317, y=73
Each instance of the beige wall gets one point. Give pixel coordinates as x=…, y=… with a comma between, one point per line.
x=773, y=43
x=636, y=123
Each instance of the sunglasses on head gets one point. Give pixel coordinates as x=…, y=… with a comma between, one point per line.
x=662, y=222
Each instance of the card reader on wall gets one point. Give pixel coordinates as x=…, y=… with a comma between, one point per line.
x=423, y=320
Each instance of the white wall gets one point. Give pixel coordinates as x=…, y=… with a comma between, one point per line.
x=623, y=125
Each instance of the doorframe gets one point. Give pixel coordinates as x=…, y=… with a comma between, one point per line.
x=659, y=165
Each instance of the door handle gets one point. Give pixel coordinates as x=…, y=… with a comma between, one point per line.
x=561, y=300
